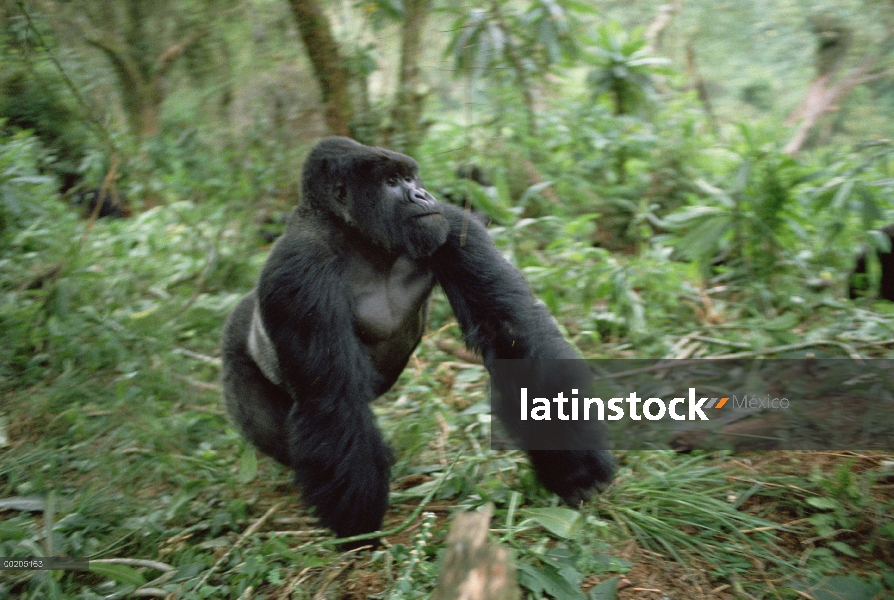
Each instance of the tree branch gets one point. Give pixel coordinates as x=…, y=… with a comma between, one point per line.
x=126, y=68
x=163, y=63
x=823, y=95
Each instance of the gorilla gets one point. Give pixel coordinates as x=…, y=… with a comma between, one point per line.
x=340, y=306
x=857, y=284
x=458, y=194
x=105, y=203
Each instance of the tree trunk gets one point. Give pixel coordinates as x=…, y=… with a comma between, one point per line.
x=698, y=83
x=140, y=97
x=140, y=79
x=407, y=128
x=828, y=89
x=518, y=67
x=328, y=63
x=150, y=110
x=666, y=14
x=823, y=97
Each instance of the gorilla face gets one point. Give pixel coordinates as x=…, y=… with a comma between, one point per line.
x=396, y=212
x=417, y=215
x=376, y=193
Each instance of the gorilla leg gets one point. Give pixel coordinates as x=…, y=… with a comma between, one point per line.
x=257, y=406
x=342, y=464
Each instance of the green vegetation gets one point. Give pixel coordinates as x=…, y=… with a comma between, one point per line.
x=658, y=207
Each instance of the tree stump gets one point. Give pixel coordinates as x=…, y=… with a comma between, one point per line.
x=474, y=568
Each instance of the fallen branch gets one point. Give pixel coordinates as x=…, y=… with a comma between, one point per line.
x=250, y=531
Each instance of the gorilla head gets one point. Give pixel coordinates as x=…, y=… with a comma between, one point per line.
x=376, y=191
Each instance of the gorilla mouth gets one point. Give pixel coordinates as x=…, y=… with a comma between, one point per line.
x=428, y=214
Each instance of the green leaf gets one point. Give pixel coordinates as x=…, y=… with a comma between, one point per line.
x=845, y=588
x=649, y=61
x=870, y=211
x=561, y=522
x=533, y=192
x=491, y=202
x=119, y=573
x=822, y=503
x=607, y=590
x=701, y=242
x=880, y=240
x=34, y=179
x=248, y=465
x=844, y=549
x=716, y=193
x=581, y=7
x=823, y=523
x=842, y=194
x=548, y=580
x=689, y=216
x=782, y=322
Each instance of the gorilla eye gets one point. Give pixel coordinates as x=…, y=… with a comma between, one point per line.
x=392, y=180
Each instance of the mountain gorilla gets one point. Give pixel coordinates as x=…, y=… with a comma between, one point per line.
x=858, y=284
x=339, y=308
x=458, y=194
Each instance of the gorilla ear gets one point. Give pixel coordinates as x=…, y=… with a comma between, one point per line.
x=340, y=191
x=341, y=202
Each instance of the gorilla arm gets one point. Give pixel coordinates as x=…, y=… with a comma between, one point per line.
x=500, y=318
x=340, y=460
x=496, y=310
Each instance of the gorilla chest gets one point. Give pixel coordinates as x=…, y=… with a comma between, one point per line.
x=390, y=297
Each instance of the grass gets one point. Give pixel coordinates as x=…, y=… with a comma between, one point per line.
x=113, y=445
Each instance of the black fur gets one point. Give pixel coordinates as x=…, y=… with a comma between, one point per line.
x=857, y=284
x=339, y=308
x=500, y=318
x=458, y=194
x=108, y=201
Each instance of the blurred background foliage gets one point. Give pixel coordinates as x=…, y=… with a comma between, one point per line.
x=683, y=179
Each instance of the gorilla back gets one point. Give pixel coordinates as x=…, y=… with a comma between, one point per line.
x=338, y=310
